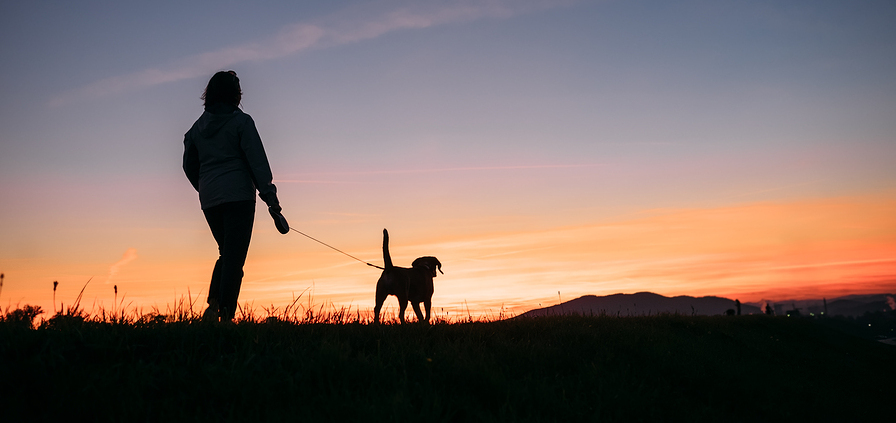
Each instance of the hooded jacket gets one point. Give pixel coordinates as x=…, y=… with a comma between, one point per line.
x=225, y=160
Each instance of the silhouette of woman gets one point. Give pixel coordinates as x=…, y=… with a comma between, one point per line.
x=226, y=163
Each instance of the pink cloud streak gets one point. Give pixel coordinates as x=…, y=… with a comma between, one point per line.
x=351, y=25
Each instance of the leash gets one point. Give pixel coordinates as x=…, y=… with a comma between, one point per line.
x=328, y=245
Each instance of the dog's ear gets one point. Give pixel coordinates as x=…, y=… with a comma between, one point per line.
x=433, y=265
x=429, y=263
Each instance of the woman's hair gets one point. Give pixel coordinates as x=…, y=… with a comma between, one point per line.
x=224, y=87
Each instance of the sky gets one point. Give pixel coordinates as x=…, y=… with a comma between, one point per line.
x=542, y=150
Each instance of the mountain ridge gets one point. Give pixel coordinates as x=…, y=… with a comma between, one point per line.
x=649, y=303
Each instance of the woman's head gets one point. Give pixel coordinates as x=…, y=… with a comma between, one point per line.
x=224, y=87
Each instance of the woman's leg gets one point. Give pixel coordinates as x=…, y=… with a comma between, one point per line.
x=212, y=313
x=231, y=225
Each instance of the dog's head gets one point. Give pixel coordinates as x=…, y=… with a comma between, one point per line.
x=429, y=263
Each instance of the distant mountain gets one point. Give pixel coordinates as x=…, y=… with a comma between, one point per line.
x=850, y=305
x=648, y=303
x=642, y=304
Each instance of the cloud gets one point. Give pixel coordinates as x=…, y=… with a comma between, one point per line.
x=128, y=256
x=354, y=24
x=437, y=170
x=798, y=249
x=773, y=189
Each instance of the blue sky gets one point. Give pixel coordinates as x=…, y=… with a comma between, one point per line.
x=597, y=79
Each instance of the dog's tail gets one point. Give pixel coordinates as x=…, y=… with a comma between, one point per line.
x=386, y=257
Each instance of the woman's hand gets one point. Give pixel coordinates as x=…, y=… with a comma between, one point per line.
x=279, y=220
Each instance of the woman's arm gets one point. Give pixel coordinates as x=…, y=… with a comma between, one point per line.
x=259, y=168
x=191, y=161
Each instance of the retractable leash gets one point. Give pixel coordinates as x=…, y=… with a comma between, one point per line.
x=284, y=228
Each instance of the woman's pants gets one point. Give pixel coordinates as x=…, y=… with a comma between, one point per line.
x=231, y=225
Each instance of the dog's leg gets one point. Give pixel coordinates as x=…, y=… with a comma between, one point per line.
x=417, y=311
x=427, y=304
x=402, y=305
x=380, y=299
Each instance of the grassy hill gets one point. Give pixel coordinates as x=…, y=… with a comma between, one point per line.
x=657, y=368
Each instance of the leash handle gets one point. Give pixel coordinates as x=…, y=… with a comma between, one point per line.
x=328, y=245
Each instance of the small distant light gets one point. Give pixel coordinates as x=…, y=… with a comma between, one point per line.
x=869, y=325
x=811, y=314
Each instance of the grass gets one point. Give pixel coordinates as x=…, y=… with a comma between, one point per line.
x=301, y=364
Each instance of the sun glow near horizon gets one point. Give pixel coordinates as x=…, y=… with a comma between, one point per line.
x=790, y=250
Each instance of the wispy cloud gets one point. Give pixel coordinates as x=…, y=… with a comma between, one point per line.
x=796, y=249
x=305, y=181
x=128, y=256
x=353, y=24
x=435, y=170
x=773, y=189
x=468, y=168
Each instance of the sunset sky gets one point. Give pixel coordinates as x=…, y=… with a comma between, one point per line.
x=542, y=150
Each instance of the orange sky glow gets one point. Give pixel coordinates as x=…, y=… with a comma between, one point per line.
x=754, y=251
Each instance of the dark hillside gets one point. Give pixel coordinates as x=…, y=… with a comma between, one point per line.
x=659, y=368
x=856, y=307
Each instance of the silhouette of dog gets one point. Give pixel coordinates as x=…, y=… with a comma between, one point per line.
x=412, y=284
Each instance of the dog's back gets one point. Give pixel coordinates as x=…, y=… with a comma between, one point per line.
x=393, y=280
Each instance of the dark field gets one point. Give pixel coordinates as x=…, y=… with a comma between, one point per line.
x=658, y=368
